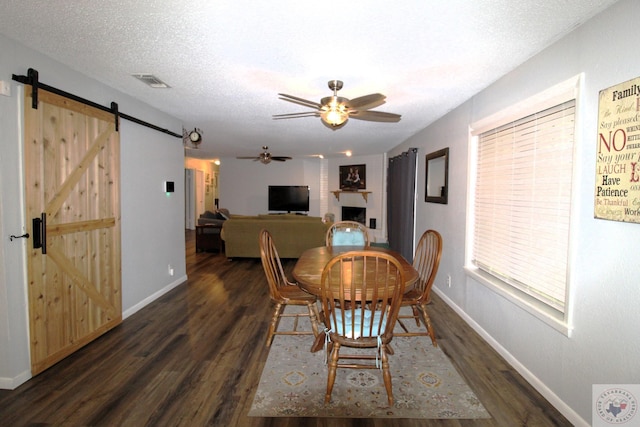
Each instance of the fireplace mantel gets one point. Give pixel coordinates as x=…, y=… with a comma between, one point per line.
x=365, y=194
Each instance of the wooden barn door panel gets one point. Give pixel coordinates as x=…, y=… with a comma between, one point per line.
x=72, y=177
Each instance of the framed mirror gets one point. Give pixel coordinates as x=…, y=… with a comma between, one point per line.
x=437, y=177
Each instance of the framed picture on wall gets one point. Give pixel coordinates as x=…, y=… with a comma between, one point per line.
x=353, y=177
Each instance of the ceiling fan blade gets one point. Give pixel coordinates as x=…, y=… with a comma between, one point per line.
x=280, y=158
x=299, y=101
x=295, y=115
x=375, y=116
x=302, y=114
x=365, y=102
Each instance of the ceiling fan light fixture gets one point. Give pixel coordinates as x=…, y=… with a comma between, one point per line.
x=335, y=113
x=335, y=117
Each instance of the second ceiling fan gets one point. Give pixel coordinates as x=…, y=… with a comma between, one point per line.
x=335, y=111
x=265, y=157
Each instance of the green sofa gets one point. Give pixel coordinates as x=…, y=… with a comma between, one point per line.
x=292, y=234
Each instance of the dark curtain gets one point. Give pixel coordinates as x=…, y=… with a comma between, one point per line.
x=401, y=190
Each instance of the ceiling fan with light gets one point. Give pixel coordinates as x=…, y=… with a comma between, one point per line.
x=334, y=111
x=265, y=157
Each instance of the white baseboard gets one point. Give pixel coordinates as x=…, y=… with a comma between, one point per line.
x=148, y=300
x=13, y=383
x=535, y=382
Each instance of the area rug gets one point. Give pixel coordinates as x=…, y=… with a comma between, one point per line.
x=425, y=384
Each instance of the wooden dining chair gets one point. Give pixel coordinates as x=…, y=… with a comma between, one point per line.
x=347, y=233
x=361, y=292
x=426, y=261
x=283, y=292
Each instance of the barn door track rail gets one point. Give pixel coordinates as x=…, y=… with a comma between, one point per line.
x=32, y=79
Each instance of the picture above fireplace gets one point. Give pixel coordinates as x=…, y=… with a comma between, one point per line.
x=351, y=213
x=353, y=177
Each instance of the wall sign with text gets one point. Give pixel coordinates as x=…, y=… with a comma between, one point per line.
x=617, y=192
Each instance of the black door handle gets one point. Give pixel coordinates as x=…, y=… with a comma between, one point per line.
x=24, y=236
x=40, y=232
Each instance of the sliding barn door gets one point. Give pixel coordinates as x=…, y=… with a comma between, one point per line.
x=72, y=173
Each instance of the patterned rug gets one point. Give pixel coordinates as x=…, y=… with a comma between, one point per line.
x=425, y=384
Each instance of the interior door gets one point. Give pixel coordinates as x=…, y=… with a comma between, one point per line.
x=72, y=175
x=199, y=193
x=189, y=199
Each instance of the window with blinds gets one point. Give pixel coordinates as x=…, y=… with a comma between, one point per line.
x=522, y=203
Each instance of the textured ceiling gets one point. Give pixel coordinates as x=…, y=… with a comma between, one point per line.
x=226, y=61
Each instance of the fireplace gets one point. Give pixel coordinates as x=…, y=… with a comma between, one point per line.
x=351, y=213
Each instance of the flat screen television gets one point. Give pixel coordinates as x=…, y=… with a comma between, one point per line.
x=289, y=198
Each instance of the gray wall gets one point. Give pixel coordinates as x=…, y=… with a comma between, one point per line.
x=152, y=223
x=604, y=347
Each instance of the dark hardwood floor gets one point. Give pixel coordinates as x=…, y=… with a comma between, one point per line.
x=194, y=357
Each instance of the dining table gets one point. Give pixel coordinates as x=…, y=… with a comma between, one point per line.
x=308, y=269
x=308, y=273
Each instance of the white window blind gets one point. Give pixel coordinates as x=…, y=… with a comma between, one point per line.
x=522, y=203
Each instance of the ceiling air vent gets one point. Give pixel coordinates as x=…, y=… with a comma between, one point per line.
x=151, y=80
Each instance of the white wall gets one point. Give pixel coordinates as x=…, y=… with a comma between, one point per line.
x=152, y=223
x=605, y=345
x=376, y=179
x=243, y=186
x=244, y=183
